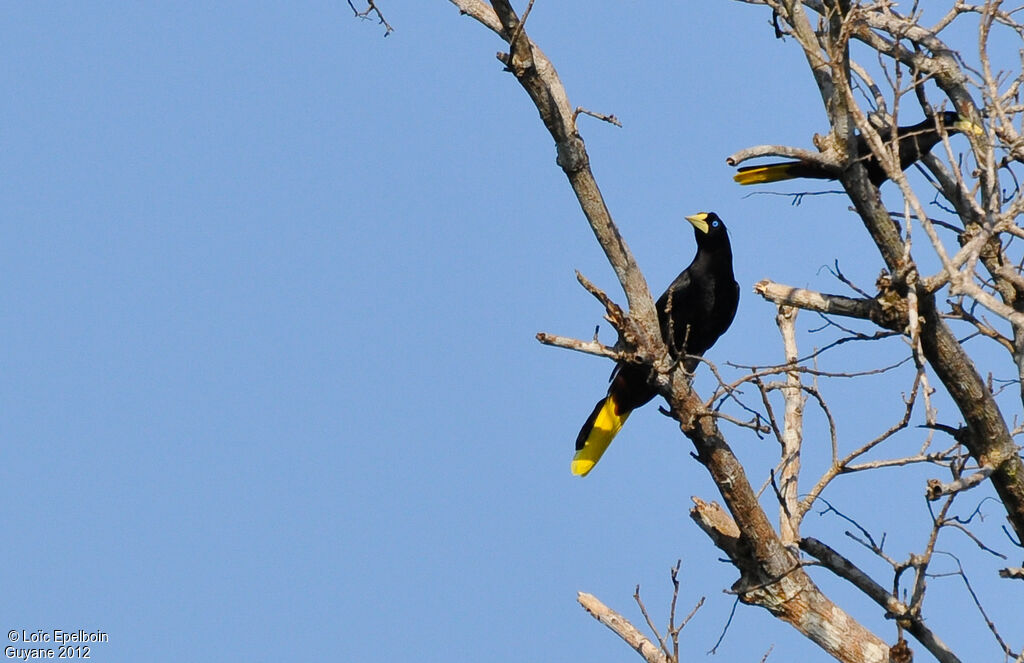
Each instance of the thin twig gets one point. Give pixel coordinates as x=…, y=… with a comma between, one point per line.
x=977, y=602
x=725, y=629
x=519, y=26
x=650, y=624
x=371, y=6
x=587, y=347
x=611, y=119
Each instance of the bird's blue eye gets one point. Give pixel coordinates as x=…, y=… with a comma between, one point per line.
x=714, y=224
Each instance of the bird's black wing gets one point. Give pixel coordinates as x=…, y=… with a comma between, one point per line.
x=675, y=310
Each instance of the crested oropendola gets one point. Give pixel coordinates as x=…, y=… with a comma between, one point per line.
x=914, y=142
x=693, y=313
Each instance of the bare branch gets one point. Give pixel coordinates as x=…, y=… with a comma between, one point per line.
x=622, y=628
x=981, y=609
x=540, y=80
x=847, y=570
x=815, y=158
x=865, y=309
x=613, y=313
x=792, y=432
x=587, y=347
x=976, y=268
x=822, y=621
x=650, y=624
x=482, y=12
x=673, y=628
x=610, y=119
x=937, y=489
x=371, y=7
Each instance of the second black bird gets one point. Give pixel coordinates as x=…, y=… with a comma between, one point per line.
x=914, y=142
x=693, y=312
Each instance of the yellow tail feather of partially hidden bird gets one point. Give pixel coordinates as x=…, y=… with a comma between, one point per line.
x=605, y=422
x=775, y=172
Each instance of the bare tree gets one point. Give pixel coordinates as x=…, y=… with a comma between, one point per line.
x=977, y=292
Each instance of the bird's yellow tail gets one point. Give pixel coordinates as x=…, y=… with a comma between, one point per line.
x=602, y=426
x=773, y=172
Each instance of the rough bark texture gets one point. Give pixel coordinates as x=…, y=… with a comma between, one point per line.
x=846, y=569
x=770, y=574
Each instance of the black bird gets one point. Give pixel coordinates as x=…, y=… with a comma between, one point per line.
x=915, y=141
x=696, y=309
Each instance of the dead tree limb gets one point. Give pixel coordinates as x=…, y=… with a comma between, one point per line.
x=770, y=575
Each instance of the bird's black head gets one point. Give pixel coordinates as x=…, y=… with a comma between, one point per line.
x=957, y=123
x=709, y=230
x=949, y=119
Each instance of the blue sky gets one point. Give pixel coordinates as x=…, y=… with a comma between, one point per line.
x=271, y=283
